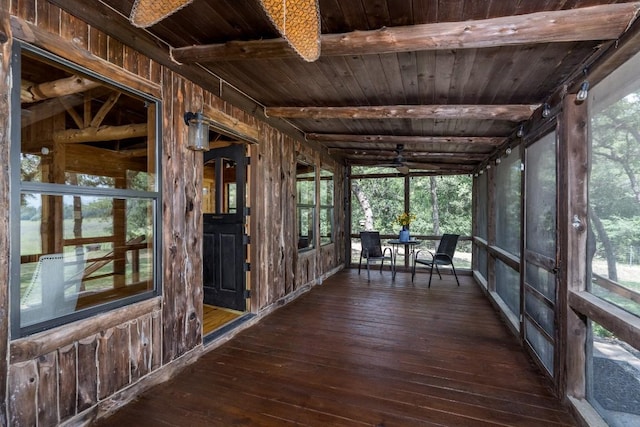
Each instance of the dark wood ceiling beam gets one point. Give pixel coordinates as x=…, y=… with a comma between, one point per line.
x=395, y=139
x=352, y=153
x=515, y=113
x=30, y=92
x=100, y=134
x=603, y=22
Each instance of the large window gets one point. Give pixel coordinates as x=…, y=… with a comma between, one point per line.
x=306, y=204
x=326, y=207
x=85, y=193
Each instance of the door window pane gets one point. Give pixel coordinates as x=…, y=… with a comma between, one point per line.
x=541, y=195
x=508, y=206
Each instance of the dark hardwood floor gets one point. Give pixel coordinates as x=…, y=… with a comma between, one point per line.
x=352, y=353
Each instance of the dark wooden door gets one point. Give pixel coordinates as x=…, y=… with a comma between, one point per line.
x=224, y=243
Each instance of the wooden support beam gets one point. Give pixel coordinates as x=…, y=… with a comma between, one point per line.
x=515, y=113
x=47, y=109
x=230, y=125
x=355, y=154
x=603, y=22
x=69, y=85
x=99, y=134
x=337, y=138
x=104, y=110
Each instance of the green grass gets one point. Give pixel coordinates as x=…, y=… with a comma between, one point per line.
x=30, y=233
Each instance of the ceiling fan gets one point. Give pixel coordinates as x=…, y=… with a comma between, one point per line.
x=297, y=21
x=398, y=161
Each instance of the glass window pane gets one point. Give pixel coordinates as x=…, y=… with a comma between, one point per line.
x=326, y=207
x=93, y=135
x=508, y=207
x=306, y=204
x=82, y=251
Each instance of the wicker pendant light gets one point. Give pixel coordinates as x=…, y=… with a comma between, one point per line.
x=146, y=13
x=298, y=21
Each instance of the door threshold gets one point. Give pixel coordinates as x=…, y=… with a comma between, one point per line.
x=222, y=330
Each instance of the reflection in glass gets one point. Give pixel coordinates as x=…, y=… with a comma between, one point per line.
x=306, y=204
x=99, y=250
x=326, y=207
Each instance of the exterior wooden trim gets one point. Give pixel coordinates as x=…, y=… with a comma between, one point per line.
x=36, y=36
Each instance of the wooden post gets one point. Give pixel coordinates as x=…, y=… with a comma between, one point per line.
x=119, y=237
x=5, y=142
x=574, y=172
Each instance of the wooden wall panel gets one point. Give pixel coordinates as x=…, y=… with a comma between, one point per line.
x=67, y=381
x=182, y=170
x=23, y=386
x=47, y=390
x=5, y=140
x=91, y=364
x=141, y=347
x=87, y=373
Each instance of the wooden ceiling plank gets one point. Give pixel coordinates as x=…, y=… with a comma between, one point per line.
x=396, y=139
x=516, y=112
x=602, y=22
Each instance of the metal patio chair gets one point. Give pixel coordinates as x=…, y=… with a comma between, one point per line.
x=372, y=250
x=442, y=257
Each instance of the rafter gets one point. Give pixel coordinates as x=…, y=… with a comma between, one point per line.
x=603, y=22
x=30, y=92
x=99, y=134
x=516, y=112
x=395, y=139
x=414, y=155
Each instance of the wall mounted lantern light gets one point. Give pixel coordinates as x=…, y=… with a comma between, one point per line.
x=198, y=139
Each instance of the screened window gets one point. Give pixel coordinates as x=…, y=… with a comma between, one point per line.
x=306, y=204
x=614, y=245
x=508, y=205
x=85, y=191
x=326, y=207
x=614, y=194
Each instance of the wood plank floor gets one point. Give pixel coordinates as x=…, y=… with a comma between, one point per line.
x=353, y=353
x=214, y=317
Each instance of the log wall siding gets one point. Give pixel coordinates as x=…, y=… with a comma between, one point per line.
x=80, y=369
x=5, y=139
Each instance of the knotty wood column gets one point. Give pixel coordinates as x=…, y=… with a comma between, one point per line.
x=574, y=169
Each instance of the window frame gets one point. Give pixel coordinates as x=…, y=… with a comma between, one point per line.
x=17, y=187
x=312, y=244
